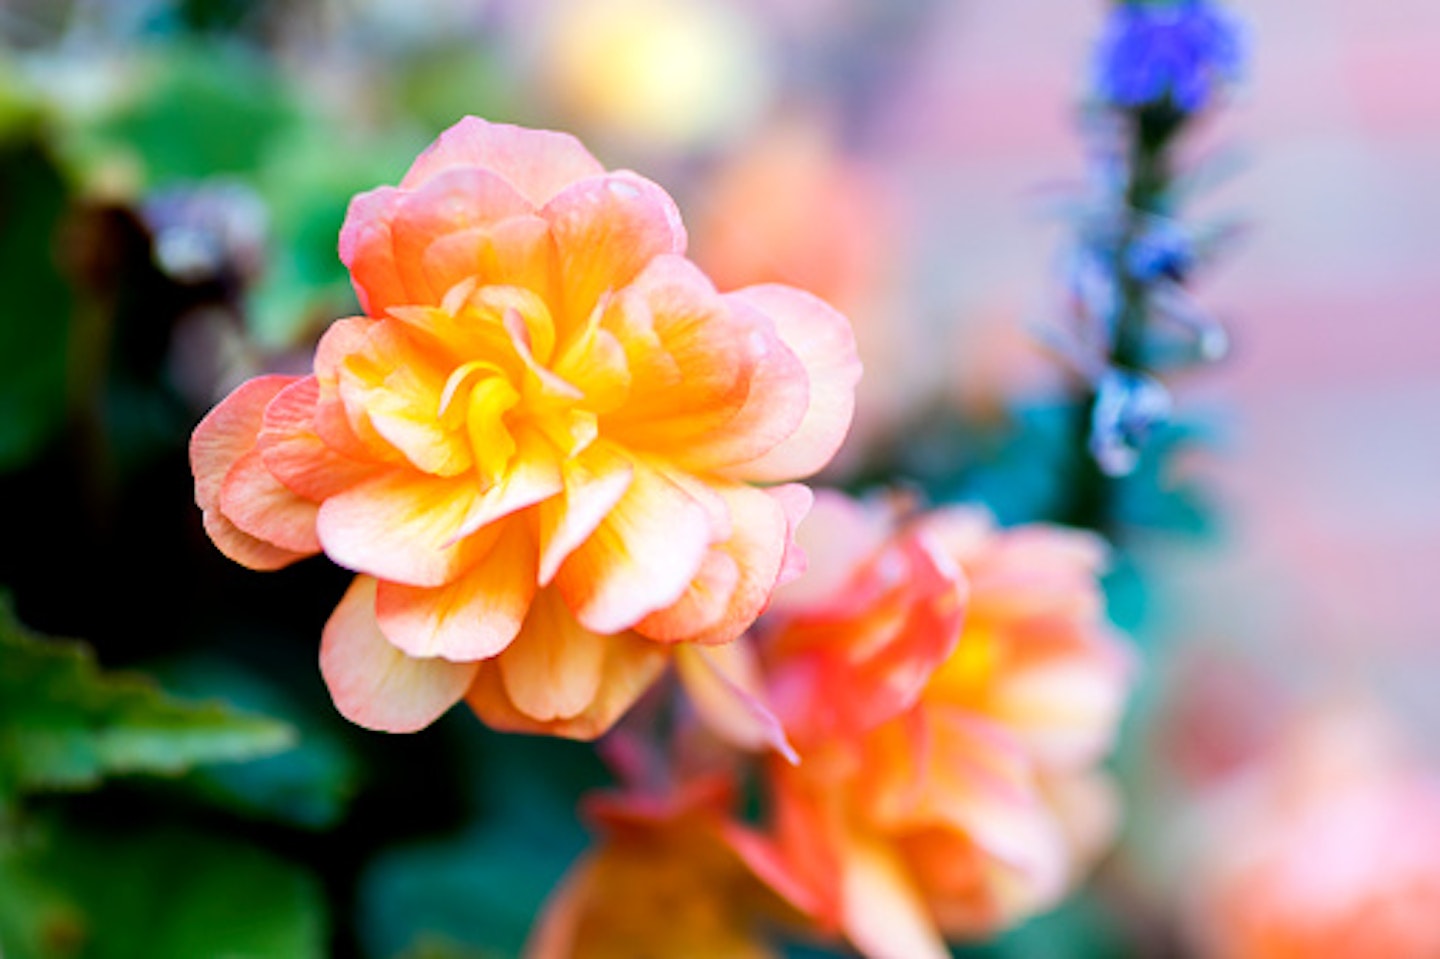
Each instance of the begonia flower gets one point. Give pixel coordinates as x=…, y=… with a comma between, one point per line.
x=950, y=689
x=537, y=448
x=668, y=877
x=1325, y=847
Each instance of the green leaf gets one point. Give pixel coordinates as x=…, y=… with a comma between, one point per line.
x=310, y=785
x=64, y=724
x=164, y=894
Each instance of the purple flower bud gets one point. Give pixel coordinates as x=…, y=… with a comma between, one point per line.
x=1178, y=49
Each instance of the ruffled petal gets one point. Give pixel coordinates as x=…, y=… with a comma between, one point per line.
x=401, y=525
x=374, y=684
x=553, y=669
x=640, y=558
x=537, y=163
x=294, y=452
x=825, y=344
x=366, y=248
x=228, y=432
x=606, y=229
x=243, y=548
x=630, y=666
x=260, y=505
x=476, y=616
x=594, y=481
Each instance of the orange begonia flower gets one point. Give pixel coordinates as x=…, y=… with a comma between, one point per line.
x=537, y=445
x=949, y=688
x=672, y=875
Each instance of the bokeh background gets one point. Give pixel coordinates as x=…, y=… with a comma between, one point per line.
x=173, y=174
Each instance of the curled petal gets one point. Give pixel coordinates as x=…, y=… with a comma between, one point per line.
x=593, y=484
x=537, y=163
x=724, y=684
x=825, y=345
x=474, y=617
x=630, y=666
x=374, y=684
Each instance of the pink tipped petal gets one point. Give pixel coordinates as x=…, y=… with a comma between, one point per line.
x=554, y=667
x=243, y=548
x=537, y=163
x=640, y=558
x=704, y=603
x=796, y=500
x=400, y=525
x=825, y=344
x=884, y=914
x=631, y=666
x=593, y=484
x=228, y=432
x=606, y=229
x=260, y=505
x=374, y=684
x=476, y=616
x=724, y=684
x=367, y=249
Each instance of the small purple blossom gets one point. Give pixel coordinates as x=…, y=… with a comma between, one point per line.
x=1180, y=49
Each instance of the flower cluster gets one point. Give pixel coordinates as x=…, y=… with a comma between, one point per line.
x=536, y=448
x=949, y=689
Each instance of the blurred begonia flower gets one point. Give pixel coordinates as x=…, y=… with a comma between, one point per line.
x=1327, y=847
x=950, y=688
x=669, y=877
x=537, y=447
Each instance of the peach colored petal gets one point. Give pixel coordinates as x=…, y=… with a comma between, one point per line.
x=593, y=483
x=825, y=345
x=640, y=558
x=538, y=163
x=516, y=251
x=400, y=525
x=374, y=684
x=367, y=250
x=474, y=617
x=606, y=229
x=296, y=455
x=228, y=432
x=243, y=548
x=724, y=685
x=553, y=669
x=738, y=576
x=884, y=913
x=631, y=665
x=457, y=199
x=261, y=506
x=777, y=391
x=1066, y=708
